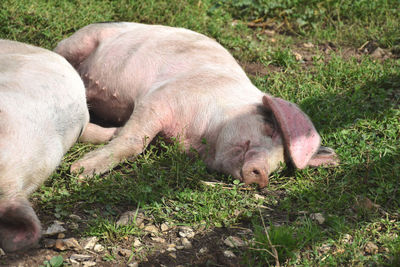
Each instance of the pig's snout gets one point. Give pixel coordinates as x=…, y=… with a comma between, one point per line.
x=254, y=172
x=19, y=225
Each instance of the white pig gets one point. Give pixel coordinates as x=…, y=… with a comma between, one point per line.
x=177, y=83
x=42, y=113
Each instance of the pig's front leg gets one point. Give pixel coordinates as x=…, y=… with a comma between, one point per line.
x=144, y=124
x=96, y=134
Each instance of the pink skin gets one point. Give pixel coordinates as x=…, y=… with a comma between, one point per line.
x=179, y=83
x=42, y=113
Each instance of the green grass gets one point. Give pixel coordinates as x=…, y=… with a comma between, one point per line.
x=353, y=101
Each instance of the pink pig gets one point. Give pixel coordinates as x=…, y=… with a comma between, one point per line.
x=159, y=80
x=42, y=113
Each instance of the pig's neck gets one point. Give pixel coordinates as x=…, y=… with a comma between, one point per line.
x=208, y=119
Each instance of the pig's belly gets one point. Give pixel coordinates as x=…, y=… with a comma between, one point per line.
x=107, y=111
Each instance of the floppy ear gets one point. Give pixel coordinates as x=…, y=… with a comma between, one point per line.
x=300, y=138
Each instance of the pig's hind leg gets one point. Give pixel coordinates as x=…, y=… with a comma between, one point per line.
x=96, y=134
x=146, y=121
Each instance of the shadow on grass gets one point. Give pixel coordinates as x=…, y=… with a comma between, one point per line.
x=338, y=110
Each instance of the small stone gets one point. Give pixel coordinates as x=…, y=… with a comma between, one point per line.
x=203, y=250
x=90, y=242
x=79, y=258
x=75, y=217
x=245, y=232
x=125, y=252
x=347, y=239
x=98, y=248
x=308, y=45
x=378, y=53
x=170, y=249
x=324, y=248
x=234, y=242
x=297, y=56
x=49, y=243
x=130, y=217
x=2, y=253
x=137, y=243
x=186, y=243
x=229, y=254
x=371, y=248
x=308, y=58
x=172, y=255
x=54, y=229
x=180, y=247
x=185, y=231
x=164, y=227
x=74, y=226
x=133, y=264
x=158, y=239
x=68, y=243
x=151, y=229
x=272, y=40
x=88, y=263
x=318, y=217
x=270, y=33
x=258, y=196
x=60, y=236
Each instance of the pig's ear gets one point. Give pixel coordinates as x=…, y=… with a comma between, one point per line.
x=300, y=138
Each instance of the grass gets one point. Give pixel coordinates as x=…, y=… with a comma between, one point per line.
x=353, y=101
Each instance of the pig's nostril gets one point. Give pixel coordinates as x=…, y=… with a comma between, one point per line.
x=256, y=172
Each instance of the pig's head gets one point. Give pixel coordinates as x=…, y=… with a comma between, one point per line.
x=253, y=145
x=19, y=225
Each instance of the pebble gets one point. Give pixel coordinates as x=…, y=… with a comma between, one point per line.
x=203, y=250
x=324, y=248
x=124, y=252
x=75, y=258
x=75, y=217
x=371, y=248
x=130, y=217
x=308, y=45
x=158, y=239
x=88, y=263
x=318, y=217
x=297, y=56
x=2, y=253
x=90, y=242
x=234, y=241
x=172, y=255
x=74, y=226
x=164, y=227
x=347, y=239
x=137, y=243
x=133, y=264
x=98, y=248
x=185, y=231
x=66, y=244
x=186, y=243
x=49, y=243
x=229, y=254
x=54, y=229
x=151, y=229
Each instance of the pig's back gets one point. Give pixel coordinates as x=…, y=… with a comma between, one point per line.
x=42, y=110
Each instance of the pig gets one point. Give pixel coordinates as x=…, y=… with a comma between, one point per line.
x=42, y=113
x=149, y=80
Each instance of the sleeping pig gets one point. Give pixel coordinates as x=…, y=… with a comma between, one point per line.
x=42, y=113
x=158, y=80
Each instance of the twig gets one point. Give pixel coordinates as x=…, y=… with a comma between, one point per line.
x=225, y=186
x=269, y=242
